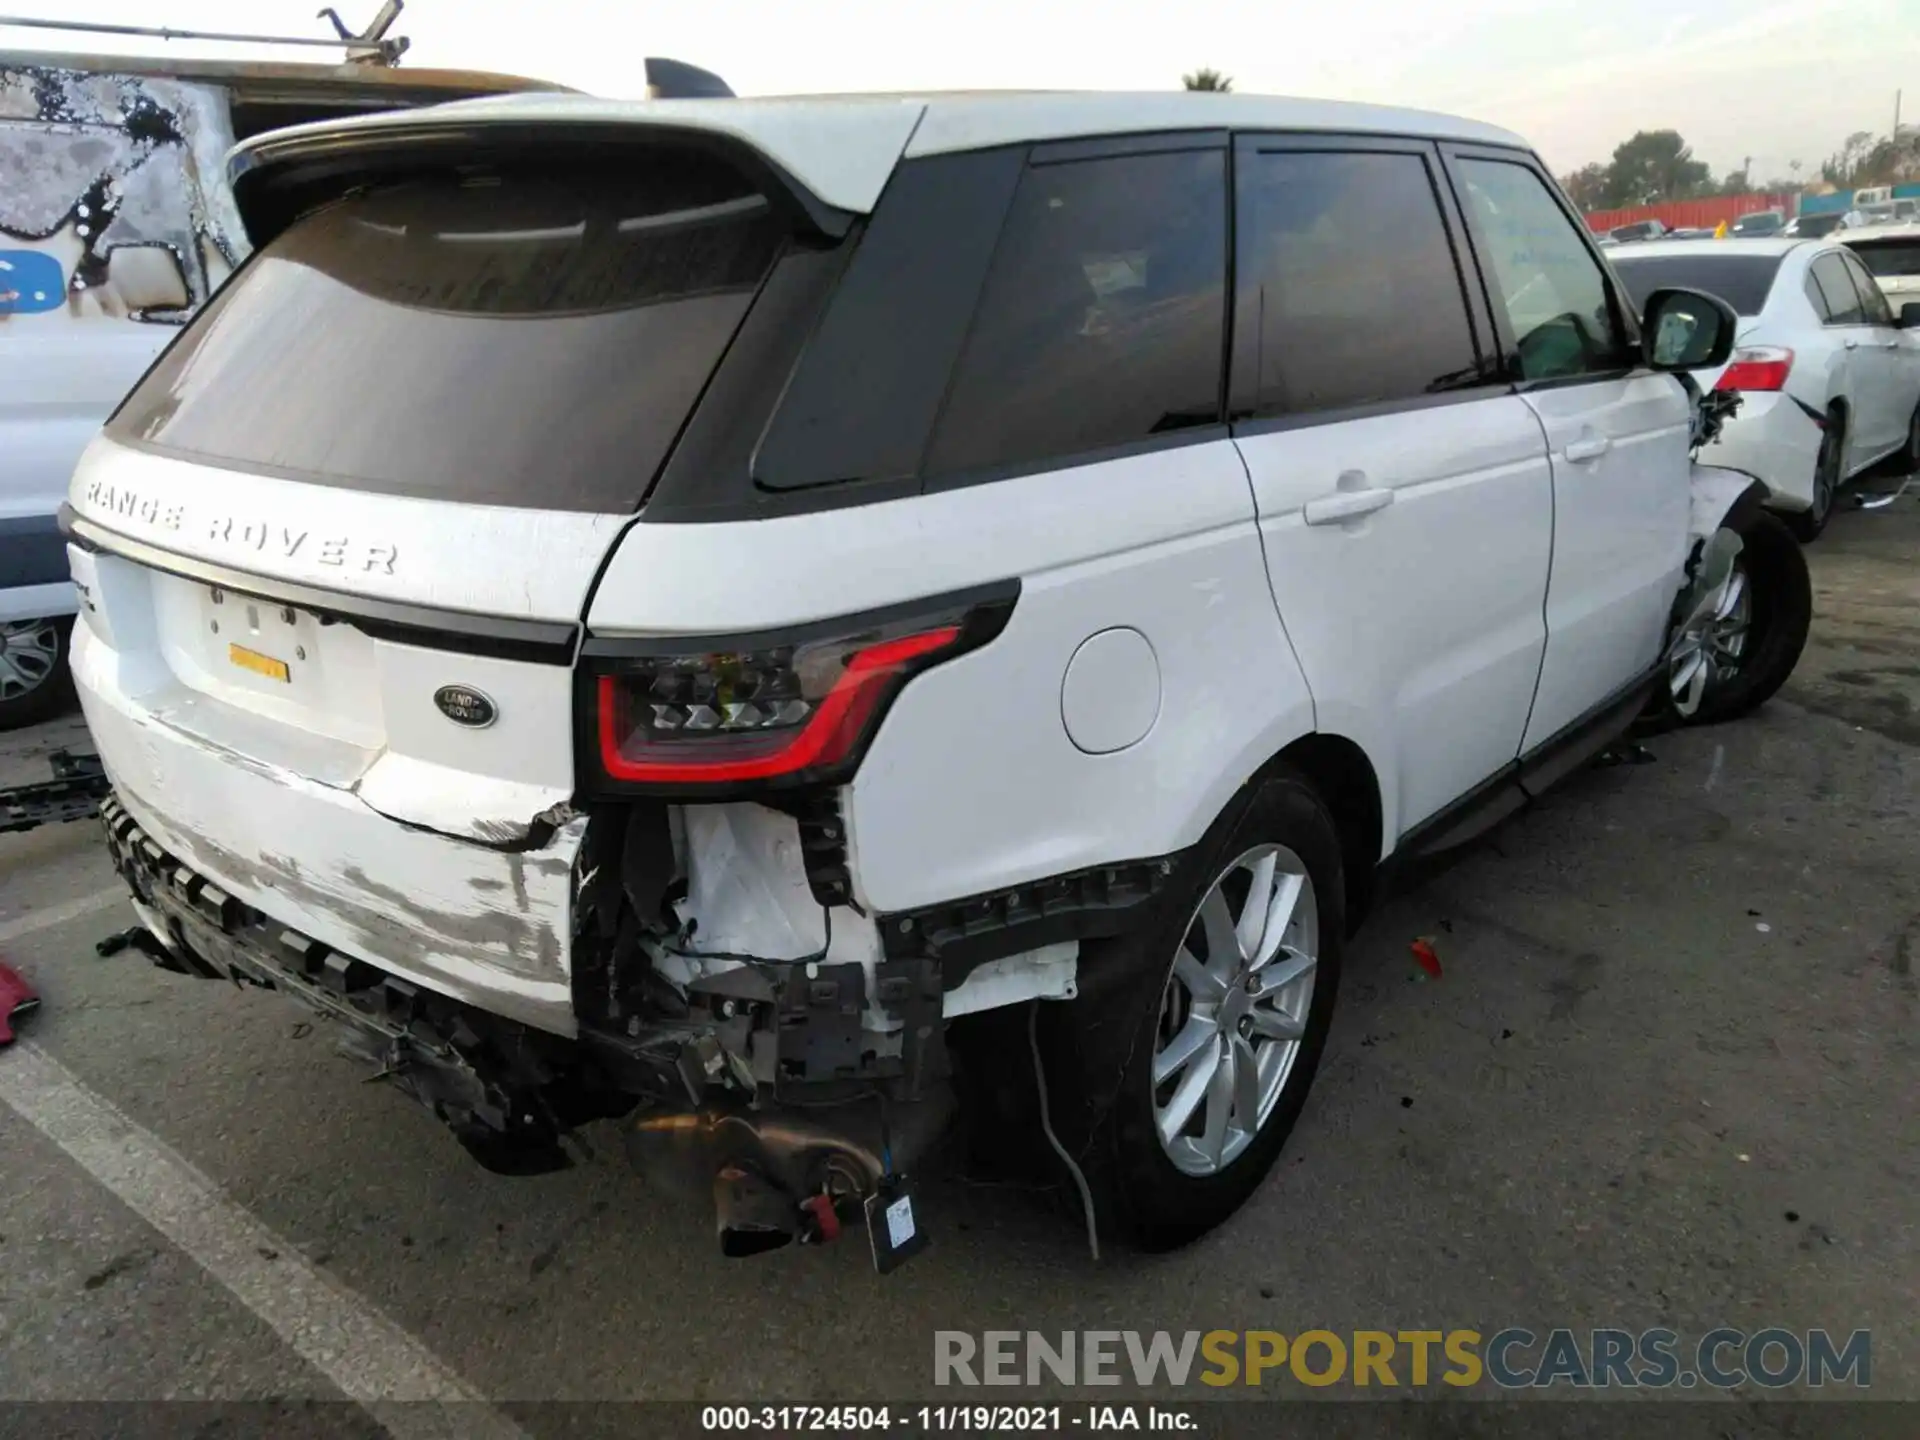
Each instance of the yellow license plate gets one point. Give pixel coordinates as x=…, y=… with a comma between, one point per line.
x=259, y=664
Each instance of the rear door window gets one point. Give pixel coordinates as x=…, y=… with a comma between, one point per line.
x=511, y=338
x=1349, y=290
x=1873, y=302
x=1838, y=300
x=1102, y=322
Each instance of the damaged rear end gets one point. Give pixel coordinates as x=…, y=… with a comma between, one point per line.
x=334, y=554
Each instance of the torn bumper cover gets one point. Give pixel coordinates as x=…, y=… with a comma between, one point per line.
x=496, y=1082
x=750, y=1037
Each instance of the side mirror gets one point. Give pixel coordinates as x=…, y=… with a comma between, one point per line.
x=1687, y=330
x=1909, y=316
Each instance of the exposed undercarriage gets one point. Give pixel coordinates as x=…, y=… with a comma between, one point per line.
x=795, y=1088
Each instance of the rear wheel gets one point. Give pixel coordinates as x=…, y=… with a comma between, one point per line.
x=1192, y=1045
x=1808, y=523
x=1746, y=639
x=34, y=683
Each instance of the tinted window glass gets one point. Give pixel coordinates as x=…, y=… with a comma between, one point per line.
x=1554, y=291
x=1817, y=298
x=503, y=339
x=1349, y=294
x=863, y=400
x=1741, y=280
x=1872, y=300
x=1812, y=227
x=1841, y=302
x=1103, y=316
x=1889, y=257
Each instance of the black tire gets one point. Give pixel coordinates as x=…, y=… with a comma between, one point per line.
x=1782, y=614
x=1100, y=1046
x=1910, y=456
x=1827, y=471
x=53, y=693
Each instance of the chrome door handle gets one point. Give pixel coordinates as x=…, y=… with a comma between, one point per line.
x=1346, y=505
x=1588, y=447
x=1852, y=344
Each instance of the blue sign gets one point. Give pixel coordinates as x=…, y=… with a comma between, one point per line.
x=30, y=283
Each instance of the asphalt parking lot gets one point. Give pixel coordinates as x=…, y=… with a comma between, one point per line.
x=1668, y=1077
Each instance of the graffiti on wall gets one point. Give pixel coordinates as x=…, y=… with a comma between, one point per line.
x=112, y=200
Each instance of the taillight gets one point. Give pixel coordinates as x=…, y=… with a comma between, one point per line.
x=770, y=711
x=1764, y=367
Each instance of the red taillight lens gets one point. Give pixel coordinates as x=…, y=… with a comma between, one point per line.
x=1764, y=367
x=783, y=712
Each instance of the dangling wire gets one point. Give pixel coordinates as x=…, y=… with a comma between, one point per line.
x=1046, y=1124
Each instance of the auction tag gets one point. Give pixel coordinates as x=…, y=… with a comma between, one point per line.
x=893, y=1229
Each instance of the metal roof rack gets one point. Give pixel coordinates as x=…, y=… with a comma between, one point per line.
x=369, y=47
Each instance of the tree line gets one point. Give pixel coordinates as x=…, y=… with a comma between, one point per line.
x=1657, y=165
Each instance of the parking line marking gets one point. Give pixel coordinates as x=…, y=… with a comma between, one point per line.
x=342, y=1335
x=34, y=920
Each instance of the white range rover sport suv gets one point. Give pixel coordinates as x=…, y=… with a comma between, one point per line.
x=782, y=620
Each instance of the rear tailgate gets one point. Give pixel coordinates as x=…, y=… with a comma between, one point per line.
x=334, y=549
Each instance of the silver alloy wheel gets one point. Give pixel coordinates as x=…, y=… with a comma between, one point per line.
x=1235, y=1009
x=1710, y=651
x=29, y=656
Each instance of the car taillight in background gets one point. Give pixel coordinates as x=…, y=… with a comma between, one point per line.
x=1762, y=367
x=774, y=711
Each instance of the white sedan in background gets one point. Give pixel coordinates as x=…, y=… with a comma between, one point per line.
x=1892, y=253
x=1830, y=374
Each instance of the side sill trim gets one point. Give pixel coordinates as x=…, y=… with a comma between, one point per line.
x=1558, y=756
x=1512, y=786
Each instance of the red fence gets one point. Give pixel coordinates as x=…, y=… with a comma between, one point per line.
x=1692, y=214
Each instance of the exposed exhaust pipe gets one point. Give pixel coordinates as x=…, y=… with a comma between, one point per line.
x=751, y=1215
x=768, y=1166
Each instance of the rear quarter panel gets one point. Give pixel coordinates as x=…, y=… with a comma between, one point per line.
x=972, y=783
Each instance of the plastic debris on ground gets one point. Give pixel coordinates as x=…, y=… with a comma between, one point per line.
x=1624, y=753
x=16, y=999
x=1425, y=956
x=1864, y=501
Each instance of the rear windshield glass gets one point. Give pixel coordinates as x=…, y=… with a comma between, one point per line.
x=508, y=339
x=1741, y=280
x=1890, y=257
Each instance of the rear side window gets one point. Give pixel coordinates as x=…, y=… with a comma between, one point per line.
x=1102, y=321
x=864, y=397
x=1743, y=281
x=1832, y=291
x=1554, y=290
x=514, y=338
x=1348, y=289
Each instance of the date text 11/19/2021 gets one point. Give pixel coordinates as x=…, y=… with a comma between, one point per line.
x=943, y=1419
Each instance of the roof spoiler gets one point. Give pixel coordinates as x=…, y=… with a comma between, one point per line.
x=676, y=80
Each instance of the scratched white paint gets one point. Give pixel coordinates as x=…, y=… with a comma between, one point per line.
x=470, y=921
